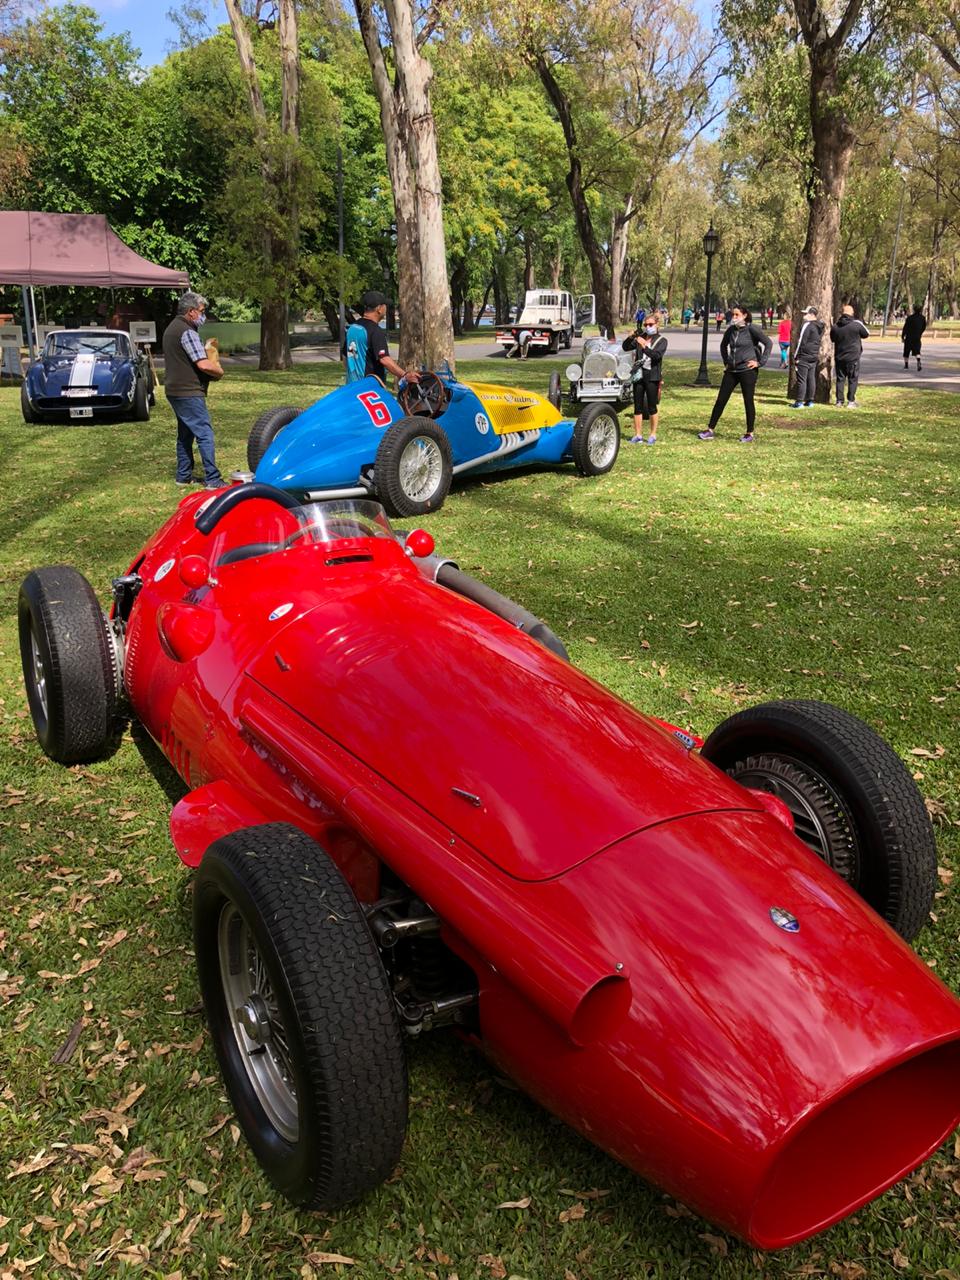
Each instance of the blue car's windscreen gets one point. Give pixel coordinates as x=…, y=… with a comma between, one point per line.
x=76, y=344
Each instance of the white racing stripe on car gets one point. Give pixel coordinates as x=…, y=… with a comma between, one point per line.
x=81, y=375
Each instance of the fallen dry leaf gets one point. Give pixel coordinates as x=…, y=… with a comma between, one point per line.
x=573, y=1214
x=325, y=1259
x=516, y=1204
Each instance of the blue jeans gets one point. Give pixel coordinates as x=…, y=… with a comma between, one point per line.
x=193, y=423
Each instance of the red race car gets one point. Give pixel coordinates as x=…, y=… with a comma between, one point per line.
x=407, y=809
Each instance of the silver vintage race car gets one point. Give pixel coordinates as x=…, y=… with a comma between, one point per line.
x=604, y=374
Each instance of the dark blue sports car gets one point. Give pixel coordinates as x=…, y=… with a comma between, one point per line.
x=404, y=450
x=88, y=374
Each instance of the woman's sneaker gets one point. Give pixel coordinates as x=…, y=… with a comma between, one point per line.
x=747, y=439
x=705, y=435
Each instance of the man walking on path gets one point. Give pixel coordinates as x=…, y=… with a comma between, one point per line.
x=808, y=350
x=188, y=372
x=910, y=336
x=847, y=336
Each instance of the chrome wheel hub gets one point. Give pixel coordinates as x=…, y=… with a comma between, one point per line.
x=254, y=1017
x=420, y=468
x=39, y=676
x=261, y=1037
x=602, y=441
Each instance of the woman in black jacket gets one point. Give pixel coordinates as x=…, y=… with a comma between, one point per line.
x=743, y=349
x=649, y=345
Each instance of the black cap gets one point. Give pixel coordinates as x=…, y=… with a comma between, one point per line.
x=372, y=298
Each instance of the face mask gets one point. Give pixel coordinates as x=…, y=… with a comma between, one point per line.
x=649, y=328
x=201, y=318
x=739, y=323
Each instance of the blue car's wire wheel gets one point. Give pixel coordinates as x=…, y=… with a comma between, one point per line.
x=596, y=439
x=413, y=468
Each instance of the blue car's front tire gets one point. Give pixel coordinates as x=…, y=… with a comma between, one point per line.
x=26, y=408
x=413, y=468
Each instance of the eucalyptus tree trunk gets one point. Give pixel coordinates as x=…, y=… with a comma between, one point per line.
x=280, y=241
x=556, y=267
x=529, y=271
x=414, y=74
x=395, y=125
x=618, y=256
x=833, y=142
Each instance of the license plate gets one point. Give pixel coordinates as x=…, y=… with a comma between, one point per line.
x=78, y=391
x=81, y=413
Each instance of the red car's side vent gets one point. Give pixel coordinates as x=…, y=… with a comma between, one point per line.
x=176, y=753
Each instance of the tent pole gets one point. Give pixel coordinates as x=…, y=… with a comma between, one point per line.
x=28, y=322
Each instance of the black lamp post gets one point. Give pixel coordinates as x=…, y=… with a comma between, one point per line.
x=710, y=242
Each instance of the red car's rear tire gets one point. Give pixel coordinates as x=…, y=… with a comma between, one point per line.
x=853, y=800
x=302, y=1016
x=69, y=665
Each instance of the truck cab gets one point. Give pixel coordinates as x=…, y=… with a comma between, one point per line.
x=551, y=318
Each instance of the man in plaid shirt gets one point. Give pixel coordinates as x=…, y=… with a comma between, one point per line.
x=188, y=373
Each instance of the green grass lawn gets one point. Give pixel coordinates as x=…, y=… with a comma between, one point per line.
x=823, y=562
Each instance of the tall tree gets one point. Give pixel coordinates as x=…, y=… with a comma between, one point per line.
x=846, y=81
x=630, y=86
x=278, y=158
x=409, y=128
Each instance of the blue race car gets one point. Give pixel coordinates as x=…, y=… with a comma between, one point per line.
x=88, y=374
x=404, y=450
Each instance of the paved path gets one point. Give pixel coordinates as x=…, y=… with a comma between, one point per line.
x=882, y=362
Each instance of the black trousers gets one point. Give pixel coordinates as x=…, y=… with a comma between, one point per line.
x=849, y=371
x=746, y=379
x=646, y=398
x=807, y=380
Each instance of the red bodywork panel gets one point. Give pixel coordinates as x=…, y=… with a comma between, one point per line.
x=617, y=918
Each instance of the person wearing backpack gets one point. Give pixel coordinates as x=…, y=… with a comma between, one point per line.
x=744, y=349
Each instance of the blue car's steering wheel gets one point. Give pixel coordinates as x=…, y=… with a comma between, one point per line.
x=426, y=399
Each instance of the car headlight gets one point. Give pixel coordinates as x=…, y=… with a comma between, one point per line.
x=623, y=367
x=574, y=372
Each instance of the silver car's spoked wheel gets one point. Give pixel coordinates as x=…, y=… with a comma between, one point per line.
x=39, y=676
x=602, y=443
x=255, y=1019
x=420, y=468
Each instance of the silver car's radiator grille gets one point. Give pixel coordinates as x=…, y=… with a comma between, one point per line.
x=600, y=364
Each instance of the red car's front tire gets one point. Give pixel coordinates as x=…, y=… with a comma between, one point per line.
x=853, y=800
x=302, y=1016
